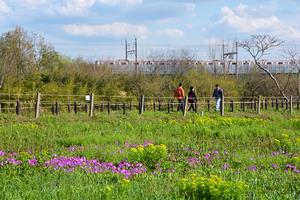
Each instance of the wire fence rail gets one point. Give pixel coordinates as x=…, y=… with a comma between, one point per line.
x=38, y=104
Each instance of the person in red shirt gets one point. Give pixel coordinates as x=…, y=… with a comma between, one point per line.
x=179, y=95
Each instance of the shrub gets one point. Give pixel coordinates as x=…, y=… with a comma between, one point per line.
x=149, y=155
x=197, y=187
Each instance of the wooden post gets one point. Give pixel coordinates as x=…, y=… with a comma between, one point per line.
x=185, y=106
x=254, y=104
x=222, y=106
x=243, y=105
x=159, y=105
x=281, y=102
x=37, y=105
x=69, y=107
x=286, y=104
x=75, y=107
x=272, y=102
x=91, y=110
x=154, y=106
x=208, y=105
x=130, y=106
x=231, y=106
x=102, y=107
x=169, y=106
x=266, y=103
x=259, y=104
x=56, y=108
x=18, y=108
x=277, y=106
x=53, y=108
x=124, y=108
x=298, y=103
x=142, y=101
x=108, y=107
x=172, y=105
x=291, y=104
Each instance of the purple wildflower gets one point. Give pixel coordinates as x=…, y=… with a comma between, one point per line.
x=226, y=166
x=193, y=161
x=253, y=168
x=275, y=166
x=207, y=156
x=2, y=153
x=32, y=162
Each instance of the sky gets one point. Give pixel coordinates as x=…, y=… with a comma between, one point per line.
x=96, y=29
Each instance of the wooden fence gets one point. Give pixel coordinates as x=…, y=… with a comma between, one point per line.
x=48, y=103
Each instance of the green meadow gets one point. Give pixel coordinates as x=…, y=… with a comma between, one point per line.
x=239, y=156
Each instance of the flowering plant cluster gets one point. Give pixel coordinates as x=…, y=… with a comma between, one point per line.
x=287, y=144
x=197, y=187
x=70, y=164
x=149, y=155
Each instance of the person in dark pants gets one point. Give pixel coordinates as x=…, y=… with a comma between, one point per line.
x=192, y=98
x=179, y=95
x=218, y=94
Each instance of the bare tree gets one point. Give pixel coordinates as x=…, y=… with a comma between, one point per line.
x=257, y=46
x=294, y=58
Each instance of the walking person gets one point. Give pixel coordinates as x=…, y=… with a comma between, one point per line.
x=192, y=98
x=218, y=94
x=179, y=95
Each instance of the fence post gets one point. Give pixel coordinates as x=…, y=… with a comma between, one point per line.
x=69, y=107
x=154, y=107
x=291, y=104
x=124, y=108
x=37, y=105
x=208, y=105
x=298, y=103
x=142, y=101
x=168, y=106
x=108, y=107
x=259, y=105
x=53, y=108
x=272, y=103
x=56, y=108
x=159, y=105
x=130, y=106
x=231, y=106
x=75, y=107
x=266, y=103
x=222, y=105
x=91, y=110
x=286, y=104
x=172, y=105
x=18, y=108
x=277, y=106
x=102, y=107
x=243, y=105
x=185, y=106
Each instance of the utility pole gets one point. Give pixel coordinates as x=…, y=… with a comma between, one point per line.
x=231, y=55
x=132, y=52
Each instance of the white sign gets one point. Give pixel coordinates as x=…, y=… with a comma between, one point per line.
x=87, y=97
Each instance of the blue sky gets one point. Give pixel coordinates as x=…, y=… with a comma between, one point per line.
x=96, y=29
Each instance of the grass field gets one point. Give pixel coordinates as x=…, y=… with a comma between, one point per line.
x=153, y=156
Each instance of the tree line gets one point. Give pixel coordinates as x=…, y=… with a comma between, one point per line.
x=29, y=64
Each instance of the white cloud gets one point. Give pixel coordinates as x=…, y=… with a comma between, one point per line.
x=170, y=33
x=248, y=22
x=121, y=2
x=75, y=7
x=33, y=3
x=4, y=8
x=191, y=9
x=117, y=29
